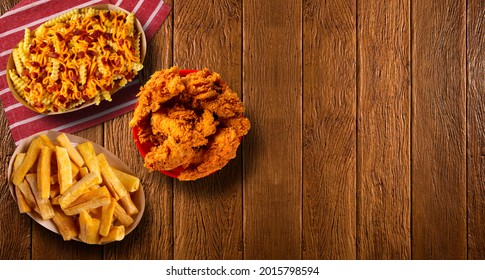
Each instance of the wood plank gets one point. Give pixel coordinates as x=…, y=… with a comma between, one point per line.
x=47, y=245
x=476, y=128
x=383, y=166
x=153, y=238
x=272, y=151
x=208, y=212
x=15, y=240
x=329, y=136
x=439, y=227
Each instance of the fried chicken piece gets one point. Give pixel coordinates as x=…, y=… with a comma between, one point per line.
x=168, y=155
x=162, y=86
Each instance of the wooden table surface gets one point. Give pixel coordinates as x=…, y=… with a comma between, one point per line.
x=367, y=138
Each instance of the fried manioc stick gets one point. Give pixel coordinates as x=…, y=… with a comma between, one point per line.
x=21, y=202
x=44, y=172
x=64, y=169
x=96, y=212
x=24, y=188
x=128, y=205
x=131, y=183
x=122, y=216
x=55, y=200
x=88, y=228
x=75, y=169
x=116, y=233
x=110, y=179
x=45, y=207
x=17, y=162
x=107, y=218
x=47, y=142
x=66, y=225
x=86, y=150
x=73, y=153
x=83, y=171
x=55, y=191
x=89, y=200
x=78, y=189
x=29, y=161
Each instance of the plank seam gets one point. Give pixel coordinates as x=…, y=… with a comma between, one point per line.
x=357, y=166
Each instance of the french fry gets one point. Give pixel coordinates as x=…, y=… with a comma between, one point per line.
x=116, y=233
x=88, y=228
x=55, y=191
x=44, y=172
x=47, y=142
x=75, y=169
x=66, y=225
x=78, y=189
x=89, y=200
x=18, y=161
x=110, y=179
x=21, y=202
x=73, y=153
x=24, y=188
x=45, y=207
x=83, y=171
x=86, y=150
x=131, y=183
x=128, y=205
x=107, y=218
x=29, y=161
x=64, y=172
x=122, y=216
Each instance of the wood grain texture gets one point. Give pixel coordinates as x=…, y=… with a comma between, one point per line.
x=15, y=240
x=439, y=227
x=208, y=212
x=272, y=85
x=383, y=221
x=329, y=136
x=153, y=238
x=47, y=245
x=476, y=128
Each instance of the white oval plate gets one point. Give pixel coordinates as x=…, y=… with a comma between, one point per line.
x=138, y=198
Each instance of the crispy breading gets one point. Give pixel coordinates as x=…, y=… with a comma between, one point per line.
x=195, y=122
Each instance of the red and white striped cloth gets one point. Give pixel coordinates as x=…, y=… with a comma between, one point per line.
x=30, y=14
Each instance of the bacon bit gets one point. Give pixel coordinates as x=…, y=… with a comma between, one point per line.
x=25, y=72
x=32, y=50
x=116, y=72
x=53, y=54
x=55, y=109
x=34, y=75
x=129, y=76
x=107, y=36
x=59, y=36
x=67, y=25
x=27, y=89
x=74, y=78
x=43, y=44
x=107, y=14
x=120, y=17
x=42, y=71
x=39, y=80
x=55, y=87
x=104, y=61
x=97, y=17
x=120, y=52
x=80, y=87
x=108, y=48
x=85, y=97
x=96, y=34
x=62, y=68
x=121, y=42
x=117, y=62
x=99, y=75
x=38, y=105
x=109, y=87
x=70, y=91
x=61, y=99
x=88, y=39
x=77, y=32
x=81, y=54
x=91, y=53
x=35, y=64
